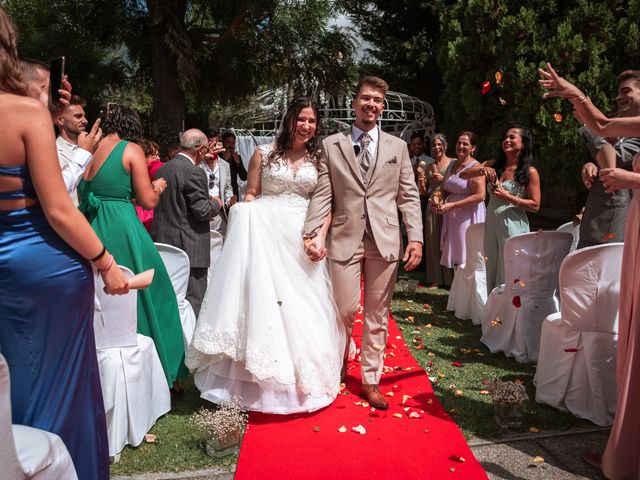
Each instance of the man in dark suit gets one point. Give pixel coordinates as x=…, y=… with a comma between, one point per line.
x=182, y=216
x=235, y=162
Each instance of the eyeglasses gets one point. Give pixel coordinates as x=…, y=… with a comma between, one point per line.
x=212, y=180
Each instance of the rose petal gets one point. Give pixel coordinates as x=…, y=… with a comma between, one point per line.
x=609, y=236
x=458, y=393
x=502, y=101
x=558, y=117
x=486, y=86
x=498, y=77
x=316, y=428
x=359, y=429
x=538, y=459
x=570, y=350
x=377, y=347
x=516, y=301
x=534, y=429
x=342, y=429
x=496, y=321
x=405, y=398
x=150, y=438
x=397, y=415
x=456, y=364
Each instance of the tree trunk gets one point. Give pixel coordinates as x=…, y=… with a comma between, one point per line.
x=168, y=97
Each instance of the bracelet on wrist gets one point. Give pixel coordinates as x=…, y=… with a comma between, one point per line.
x=106, y=269
x=99, y=256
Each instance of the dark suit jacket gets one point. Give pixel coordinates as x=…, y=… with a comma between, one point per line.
x=182, y=216
x=237, y=170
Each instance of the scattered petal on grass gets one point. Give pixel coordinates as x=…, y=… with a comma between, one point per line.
x=410, y=319
x=498, y=77
x=342, y=429
x=456, y=364
x=428, y=325
x=534, y=429
x=425, y=306
x=458, y=393
x=502, y=101
x=484, y=392
x=441, y=375
x=419, y=346
x=431, y=354
x=558, y=117
x=359, y=429
x=486, y=86
x=150, y=438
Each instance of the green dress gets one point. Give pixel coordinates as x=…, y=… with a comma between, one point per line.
x=106, y=202
x=504, y=220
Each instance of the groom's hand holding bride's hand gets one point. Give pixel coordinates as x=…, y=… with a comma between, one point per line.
x=412, y=256
x=314, y=248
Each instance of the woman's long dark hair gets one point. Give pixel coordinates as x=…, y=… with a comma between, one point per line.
x=284, y=138
x=121, y=120
x=525, y=158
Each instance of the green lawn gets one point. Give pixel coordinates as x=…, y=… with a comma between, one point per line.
x=179, y=446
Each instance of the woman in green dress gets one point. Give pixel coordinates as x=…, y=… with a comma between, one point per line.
x=430, y=183
x=117, y=174
x=514, y=191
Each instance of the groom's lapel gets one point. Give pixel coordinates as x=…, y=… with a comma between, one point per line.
x=346, y=146
x=383, y=154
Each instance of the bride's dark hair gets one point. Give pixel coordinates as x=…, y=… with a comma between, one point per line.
x=284, y=138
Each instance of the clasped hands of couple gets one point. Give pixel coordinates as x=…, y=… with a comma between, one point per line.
x=316, y=251
x=612, y=178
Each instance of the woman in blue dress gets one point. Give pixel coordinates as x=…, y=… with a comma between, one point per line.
x=46, y=283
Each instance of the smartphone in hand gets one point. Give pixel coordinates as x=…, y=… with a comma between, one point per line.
x=56, y=74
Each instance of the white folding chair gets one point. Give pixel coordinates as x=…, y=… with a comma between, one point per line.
x=217, y=241
x=577, y=364
x=573, y=229
x=176, y=262
x=27, y=452
x=515, y=310
x=134, y=386
x=468, y=293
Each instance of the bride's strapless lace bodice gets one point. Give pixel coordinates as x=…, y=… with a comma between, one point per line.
x=280, y=180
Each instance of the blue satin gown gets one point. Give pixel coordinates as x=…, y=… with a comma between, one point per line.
x=46, y=333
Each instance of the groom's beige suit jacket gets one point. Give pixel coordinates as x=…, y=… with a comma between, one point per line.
x=356, y=201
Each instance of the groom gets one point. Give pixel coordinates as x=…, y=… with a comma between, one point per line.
x=364, y=178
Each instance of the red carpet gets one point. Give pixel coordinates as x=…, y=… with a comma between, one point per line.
x=424, y=443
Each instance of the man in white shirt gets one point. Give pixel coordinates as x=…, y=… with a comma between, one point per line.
x=35, y=77
x=73, y=160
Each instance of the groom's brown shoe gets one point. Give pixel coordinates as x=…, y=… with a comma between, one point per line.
x=374, y=396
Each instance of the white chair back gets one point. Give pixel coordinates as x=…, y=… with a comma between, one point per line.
x=177, y=263
x=590, y=287
x=9, y=463
x=574, y=230
x=474, y=239
x=115, y=318
x=534, y=258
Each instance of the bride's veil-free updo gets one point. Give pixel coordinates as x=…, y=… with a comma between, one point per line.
x=284, y=137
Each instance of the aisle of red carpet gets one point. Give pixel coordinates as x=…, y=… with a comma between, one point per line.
x=413, y=439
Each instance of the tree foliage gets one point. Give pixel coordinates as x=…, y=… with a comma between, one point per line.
x=177, y=58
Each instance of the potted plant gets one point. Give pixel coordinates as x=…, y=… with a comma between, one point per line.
x=223, y=428
x=508, y=403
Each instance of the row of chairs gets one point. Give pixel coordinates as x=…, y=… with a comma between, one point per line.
x=572, y=335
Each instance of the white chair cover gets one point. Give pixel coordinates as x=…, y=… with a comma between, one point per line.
x=27, y=452
x=574, y=230
x=217, y=241
x=176, y=262
x=468, y=293
x=134, y=387
x=531, y=265
x=577, y=364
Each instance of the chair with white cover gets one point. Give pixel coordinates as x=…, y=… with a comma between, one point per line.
x=217, y=241
x=515, y=310
x=27, y=452
x=468, y=293
x=573, y=229
x=134, y=386
x=177, y=263
x=577, y=364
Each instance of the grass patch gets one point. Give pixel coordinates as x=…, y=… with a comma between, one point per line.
x=448, y=340
x=180, y=447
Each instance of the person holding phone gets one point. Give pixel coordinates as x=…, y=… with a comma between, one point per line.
x=46, y=281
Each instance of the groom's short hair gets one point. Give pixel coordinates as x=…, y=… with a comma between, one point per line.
x=375, y=82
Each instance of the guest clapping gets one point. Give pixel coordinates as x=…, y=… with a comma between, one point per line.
x=514, y=187
x=462, y=203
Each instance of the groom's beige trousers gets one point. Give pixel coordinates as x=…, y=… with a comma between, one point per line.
x=379, y=280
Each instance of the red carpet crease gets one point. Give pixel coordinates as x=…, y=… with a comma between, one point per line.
x=413, y=439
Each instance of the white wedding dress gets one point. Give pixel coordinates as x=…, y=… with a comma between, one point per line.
x=268, y=331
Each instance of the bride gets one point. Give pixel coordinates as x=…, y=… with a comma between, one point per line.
x=267, y=332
